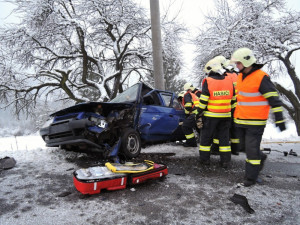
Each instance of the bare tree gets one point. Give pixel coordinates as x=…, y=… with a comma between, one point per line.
x=78, y=50
x=265, y=26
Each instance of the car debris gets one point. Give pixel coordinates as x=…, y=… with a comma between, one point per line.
x=7, y=163
x=242, y=201
x=285, y=153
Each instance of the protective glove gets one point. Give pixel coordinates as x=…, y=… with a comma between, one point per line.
x=199, y=123
x=281, y=126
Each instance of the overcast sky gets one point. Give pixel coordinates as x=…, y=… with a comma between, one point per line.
x=191, y=13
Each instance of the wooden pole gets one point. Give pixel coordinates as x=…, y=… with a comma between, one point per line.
x=157, y=46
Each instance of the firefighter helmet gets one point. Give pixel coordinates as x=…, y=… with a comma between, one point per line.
x=215, y=66
x=245, y=56
x=224, y=62
x=188, y=86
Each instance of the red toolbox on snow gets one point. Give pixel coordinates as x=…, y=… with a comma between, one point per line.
x=92, y=180
x=157, y=172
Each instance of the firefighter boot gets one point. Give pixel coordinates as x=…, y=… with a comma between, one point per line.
x=249, y=182
x=204, y=162
x=204, y=158
x=225, y=165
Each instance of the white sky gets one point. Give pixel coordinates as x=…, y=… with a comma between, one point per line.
x=191, y=13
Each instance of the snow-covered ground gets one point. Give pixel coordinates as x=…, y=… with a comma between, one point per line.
x=39, y=190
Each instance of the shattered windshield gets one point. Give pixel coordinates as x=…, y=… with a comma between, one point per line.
x=130, y=95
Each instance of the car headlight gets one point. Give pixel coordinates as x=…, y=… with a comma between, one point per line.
x=47, y=123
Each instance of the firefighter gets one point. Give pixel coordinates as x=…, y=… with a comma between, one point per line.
x=197, y=92
x=180, y=97
x=234, y=140
x=191, y=104
x=256, y=94
x=216, y=102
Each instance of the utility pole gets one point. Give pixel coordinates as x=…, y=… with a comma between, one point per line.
x=157, y=46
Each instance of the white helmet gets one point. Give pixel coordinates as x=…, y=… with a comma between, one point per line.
x=243, y=55
x=188, y=86
x=181, y=94
x=215, y=66
x=224, y=62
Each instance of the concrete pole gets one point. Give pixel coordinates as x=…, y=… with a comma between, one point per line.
x=157, y=46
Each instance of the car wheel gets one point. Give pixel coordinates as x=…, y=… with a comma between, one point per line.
x=130, y=143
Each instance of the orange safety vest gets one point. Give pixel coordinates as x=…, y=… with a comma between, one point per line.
x=195, y=100
x=250, y=102
x=221, y=93
x=233, y=77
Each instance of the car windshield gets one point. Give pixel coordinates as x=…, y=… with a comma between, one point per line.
x=129, y=95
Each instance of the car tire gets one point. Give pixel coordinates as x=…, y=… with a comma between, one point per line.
x=130, y=143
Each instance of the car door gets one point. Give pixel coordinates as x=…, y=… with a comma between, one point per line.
x=158, y=118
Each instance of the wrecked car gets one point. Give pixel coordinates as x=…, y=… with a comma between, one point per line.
x=138, y=116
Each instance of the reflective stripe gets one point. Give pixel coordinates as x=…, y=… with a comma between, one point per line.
x=251, y=122
x=234, y=97
x=196, y=103
x=277, y=109
x=188, y=104
x=233, y=105
x=202, y=106
x=280, y=121
x=224, y=149
x=235, y=140
x=204, y=97
x=253, y=103
x=216, y=141
x=249, y=94
x=253, y=161
x=270, y=94
x=219, y=107
x=213, y=114
x=189, y=136
x=204, y=148
x=219, y=101
x=195, y=111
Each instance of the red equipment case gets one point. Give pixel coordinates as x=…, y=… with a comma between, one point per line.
x=92, y=180
x=158, y=171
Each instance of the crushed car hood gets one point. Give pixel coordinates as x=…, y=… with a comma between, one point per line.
x=91, y=106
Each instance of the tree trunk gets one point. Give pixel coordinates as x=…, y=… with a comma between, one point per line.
x=293, y=98
x=293, y=111
x=297, y=120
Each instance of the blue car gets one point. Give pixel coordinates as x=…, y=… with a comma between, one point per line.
x=138, y=116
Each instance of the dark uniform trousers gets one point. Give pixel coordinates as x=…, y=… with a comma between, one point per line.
x=250, y=138
x=234, y=138
x=219, y=127
x=234, y=141
x=187, y=127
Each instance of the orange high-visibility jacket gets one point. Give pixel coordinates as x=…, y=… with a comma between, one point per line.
x=194, y=104
x=221, y=93
x=250, y=102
